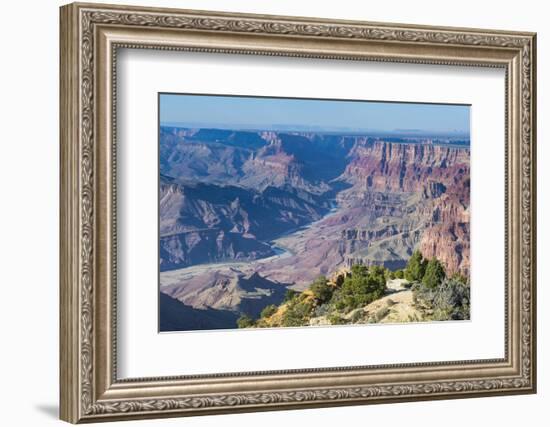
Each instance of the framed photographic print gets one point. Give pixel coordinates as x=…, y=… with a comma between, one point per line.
x=265, y=212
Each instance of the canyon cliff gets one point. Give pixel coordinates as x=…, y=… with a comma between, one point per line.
x=441, y=174
x=396, y=167
x=246, y=214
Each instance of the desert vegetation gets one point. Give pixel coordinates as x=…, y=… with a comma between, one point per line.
x=372, y=294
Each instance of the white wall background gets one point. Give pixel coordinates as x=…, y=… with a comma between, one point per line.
x=29, y=170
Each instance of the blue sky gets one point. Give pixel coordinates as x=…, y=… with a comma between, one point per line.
x=263, y=113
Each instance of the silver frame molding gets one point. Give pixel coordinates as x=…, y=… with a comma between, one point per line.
x=90, y=37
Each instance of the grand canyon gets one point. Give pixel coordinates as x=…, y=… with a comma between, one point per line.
x=247, y=215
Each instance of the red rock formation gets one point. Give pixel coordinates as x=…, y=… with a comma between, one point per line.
x=272, y=165
x=440, y=174
x=447, y=237
x=384, y=166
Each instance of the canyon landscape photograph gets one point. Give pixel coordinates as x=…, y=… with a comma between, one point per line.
x=299, y=212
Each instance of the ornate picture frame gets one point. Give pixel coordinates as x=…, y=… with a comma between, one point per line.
x=90, y=37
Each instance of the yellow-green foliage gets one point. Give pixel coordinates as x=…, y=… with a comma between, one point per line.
x=268, y=311
x=245, y=321
x=298, y=311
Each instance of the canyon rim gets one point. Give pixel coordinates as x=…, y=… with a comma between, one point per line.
x=286, y=212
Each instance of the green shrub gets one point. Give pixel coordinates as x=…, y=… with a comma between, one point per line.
x=322, y=310
x=298, y=313
x=290, y=294
x=416, y=267
x=357, y=316
x=344, y=301
x=434, y=275
x=336, y=319
x=321, y=290
x=358, y=270
x=268, y=311
x=363, y=287
x=340, y=280
x=245, y=321
x=459, y=277
x=378, y=271
x=449, y=301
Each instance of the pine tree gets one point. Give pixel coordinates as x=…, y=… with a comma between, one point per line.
x=416, y=267
x=435, y=274
x=321, y=289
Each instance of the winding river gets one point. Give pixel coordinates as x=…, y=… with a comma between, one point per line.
x=171, y=277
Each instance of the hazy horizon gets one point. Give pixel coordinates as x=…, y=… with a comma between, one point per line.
x=292, y=114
